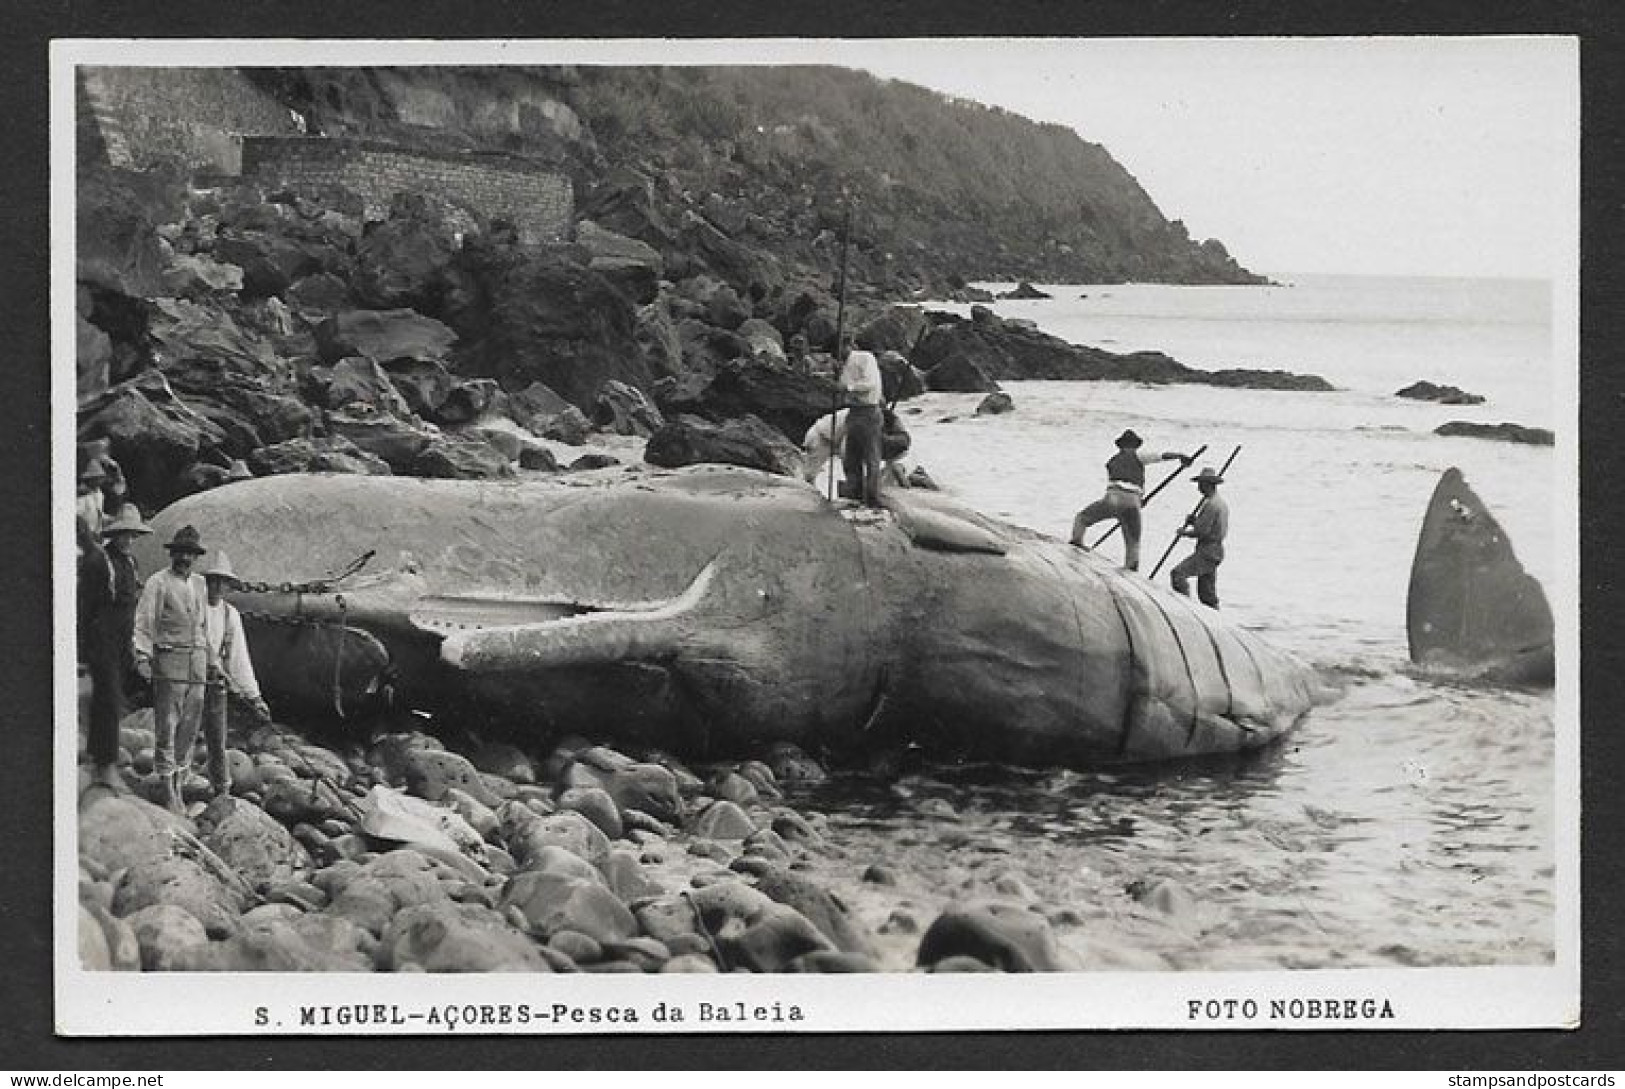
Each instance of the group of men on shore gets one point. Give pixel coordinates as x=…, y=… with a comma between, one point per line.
x=858, y=434
x=172, y=636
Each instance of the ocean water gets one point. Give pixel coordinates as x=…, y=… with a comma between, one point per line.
x=1409, y=822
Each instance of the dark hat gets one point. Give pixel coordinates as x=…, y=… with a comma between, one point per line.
x=186, y=540
x=1129, y=438
x=1207, y=476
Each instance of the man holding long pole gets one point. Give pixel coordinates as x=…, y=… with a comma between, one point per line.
x=1208, y=525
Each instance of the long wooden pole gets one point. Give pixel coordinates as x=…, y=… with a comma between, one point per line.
x=1191, y=517
x=1115, y=526
x=840, y=331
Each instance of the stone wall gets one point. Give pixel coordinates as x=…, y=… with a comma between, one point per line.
x=539, y=203
x=139, y=117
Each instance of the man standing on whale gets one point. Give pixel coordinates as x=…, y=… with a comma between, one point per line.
x=1125, y=484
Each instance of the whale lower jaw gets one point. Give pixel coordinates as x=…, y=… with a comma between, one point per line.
x=576, y=634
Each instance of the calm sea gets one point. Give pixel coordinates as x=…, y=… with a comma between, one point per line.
x=1408, y=823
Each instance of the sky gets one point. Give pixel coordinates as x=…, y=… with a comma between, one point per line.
x=1407, y=156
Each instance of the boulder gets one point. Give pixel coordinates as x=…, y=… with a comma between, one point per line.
x=293, y=801
x=525, y=834
x=383, y=335
x=553, y=902
x=423, y=383
x=500, y=758
x=531, y=314
x=164, y=932
x=624, y=410
x=784, y=398
x=960, y=373
x=461, y=458
x=248, y=840
x=186, y=883
x=402, y=260
x=636, y=787
x=388, y=438
x=448, y=937
x=358, y=379
x=373, y=893
x=398, y=819
x=596, y=805
x=657, y=338
x=895, y=329
x=326, y=455
x=690, y=440
x=726, y=310
x=723, y=820
x=271, y=945
x=763, y=340
x=632, y=266
x=468, y=400
x=790, y=764
x=591, y=461
x=429, y=773
x=195, y=276
x=899, y=378
x=769, y=940
x=150, y=433
x=117, y=216
x=269, y=262
x=570, y=427
x=833, y=918
x=1004, y=936
x=995, y=404
x=320, y=293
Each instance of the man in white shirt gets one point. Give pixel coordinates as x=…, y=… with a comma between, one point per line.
x=860, y=453
x=170, y=644
x=231, y=671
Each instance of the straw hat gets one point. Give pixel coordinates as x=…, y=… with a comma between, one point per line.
x=186, y=540
x=1129, y=438
x=219, y=568
x=128, y=520
x=1207, y=476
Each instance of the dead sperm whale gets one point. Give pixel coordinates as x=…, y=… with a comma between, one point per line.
x=714, y=607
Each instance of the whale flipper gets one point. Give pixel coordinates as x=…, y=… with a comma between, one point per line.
x=1472, y=609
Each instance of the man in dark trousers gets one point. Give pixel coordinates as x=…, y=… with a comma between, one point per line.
x=1208, y=526
x=1125, y=484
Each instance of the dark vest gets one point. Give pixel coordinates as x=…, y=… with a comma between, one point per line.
x=1125, y=465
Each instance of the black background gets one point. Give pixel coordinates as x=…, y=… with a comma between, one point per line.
x=26, y=848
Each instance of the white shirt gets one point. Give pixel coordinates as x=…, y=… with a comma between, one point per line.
x=860, y=377
x=229, y=648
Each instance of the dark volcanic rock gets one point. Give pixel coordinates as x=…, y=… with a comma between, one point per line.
x=1024, y=290
x=897, y=329
x=459, y=458
x=533, y=315
x=960, y=373
x=746, y=441
x=150, y=433
x=633, y=266
x=1444, y=395
x=775, y=392
x=383, y=335
x=995, y=404
x=359, y=379
x=395, y=441
x=402, y=261
x=625, y=410
x=424, y=383
x=334, y=454
x=118, y=213
x=1501, y=432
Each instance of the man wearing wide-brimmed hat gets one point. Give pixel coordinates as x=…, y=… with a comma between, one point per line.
x=170, y=642
x=231, y=672
x=1209, y=525
x=109, y=587
x=100, y=491
x=1125, y=483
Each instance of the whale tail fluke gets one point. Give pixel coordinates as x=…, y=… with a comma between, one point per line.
x=1472, y=609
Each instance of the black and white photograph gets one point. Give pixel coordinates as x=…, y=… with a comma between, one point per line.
x=808, y=535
